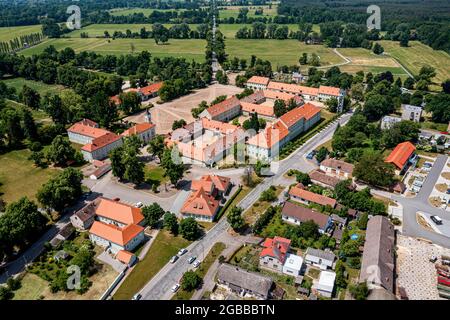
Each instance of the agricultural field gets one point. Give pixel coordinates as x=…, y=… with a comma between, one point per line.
x=8, y=33
x=233, y=11
x=193, y=49
x=40, y=87
x=418, y=55
x=279, y=52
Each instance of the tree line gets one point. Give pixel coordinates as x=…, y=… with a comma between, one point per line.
x=21, y=42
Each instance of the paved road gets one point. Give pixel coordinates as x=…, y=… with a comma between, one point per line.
x=159, y=287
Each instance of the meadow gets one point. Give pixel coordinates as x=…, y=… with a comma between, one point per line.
x=40, y=87
x=233, y=11
x=131, y=11
x=8, y=33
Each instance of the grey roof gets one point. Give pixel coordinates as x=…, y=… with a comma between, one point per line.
x=391, y=119
x=88, y=211
x=244, y=279
x=377, y=264
x=339, y=219
x=411, y=107
x=254, y=97
x=324, y=255
x=381, y=294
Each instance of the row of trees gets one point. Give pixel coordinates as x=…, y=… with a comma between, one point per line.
x=21, y=42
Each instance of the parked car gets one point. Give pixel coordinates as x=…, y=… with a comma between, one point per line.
x=433, y=259
x=436, y=220
x=137, y=296
x=310, y=156
x=181, y=252
x=196, y=264
x=173, y=259
x=175, y=288
x=191, y=259
x=139, y=205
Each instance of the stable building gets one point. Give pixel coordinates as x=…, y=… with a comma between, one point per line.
x=144, y=131
x=257, y=83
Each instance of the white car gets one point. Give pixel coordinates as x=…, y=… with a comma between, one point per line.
x=196, y=264
x=191, y=259
x=137, y=296
x=175, y=288
x=182, y=251
x=139, y=205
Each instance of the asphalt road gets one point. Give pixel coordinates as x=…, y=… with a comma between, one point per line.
x=159, y=286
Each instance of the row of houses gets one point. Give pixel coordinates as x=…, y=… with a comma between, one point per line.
x=98, y=143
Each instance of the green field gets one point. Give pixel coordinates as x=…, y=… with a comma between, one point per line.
x=8, y=33
x=190, y=49
x=38, y=115
x=233, y=11
x=19, y=176
x=418, y=55
x=229, y=30
x=130, y=11
x=279, y=52
x=40, y=87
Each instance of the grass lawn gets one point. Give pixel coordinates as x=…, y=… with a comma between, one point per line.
x=417, y=55
x=229, y=30
x=233, y=11
x=434, y=126
x=8, y=33
x=19, y=176
x=38, y=115
x=258, y=208
x=39, y=86
x=212, y=256
x=163, y=248
x=192, y=49
x=279, y=52
x=154, y=175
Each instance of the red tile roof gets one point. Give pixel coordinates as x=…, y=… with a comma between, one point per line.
x=200, y=203
x=209, y=181
x=120, y=212
x=151, y=89
x=101, y=142
x=116, y=99
x=137, y=129
x=223, y=106
x=276, y=248
x=112, y=233
x=260, y=109
x=124, y=256
x=310, y=91
x=270, y=136
x=285, y=87
x=258, y=80
x=400, y=155
x=312, y=197
x=84, y=129
x=307, y=111
x=331, y=91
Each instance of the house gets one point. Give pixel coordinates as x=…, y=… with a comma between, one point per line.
x=337, y=168
x=325, y=93
x=257, y=83
x=378, y=260
x=388, y=122
x=244, y=283
x=118, y=214
x=84, y=218
x=114, y=238
x=201, y=206
x=325, y=285
x=85, y=131
x=297, y=77
x=320, y=258
x=223, y=111
x=212, y=184
x=295, y=214
x=126, y=257
x=144, y=131
x=304, y=196
x=320, y=178
x=100, y=147
x=402, y=157
x=150, y=91
x=293, y=265
x=411, y=113
x=274, y=253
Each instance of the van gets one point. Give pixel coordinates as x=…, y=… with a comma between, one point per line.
x=436, y=220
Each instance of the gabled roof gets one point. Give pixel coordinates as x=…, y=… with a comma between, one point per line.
x=223, y=127
x=269, y=136
x=310, y=91
x=254, y=97
x=338, y=164
x=260, y=109
x=223, y=106
x=137, y=129
x=151, y=89
x=88, y=129
x=330, y=91
x=400, y=155
x=120, y=212
x=276, y=248
x=112, y=233
x=124, y=256
x=312, y=197
x=322, y=177
x=88, y=211
x=200, y=203
x=325, y=255
x=101, y=142
x=275, y=95
x=307, y=111
x=258, y=80
x=304, y=214
x=286, y=87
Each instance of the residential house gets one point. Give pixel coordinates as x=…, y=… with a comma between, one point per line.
x=378, y=260
x=320, y=258
x=144, y=131
x=201, y=206
x=295, y=214
x=322, y=179
x=274, y=253
x=114, y=238
x=293, y=265
x=402, y=157
x=337, y=168
x=223, y=111
x=244, y=283
x=257, y=83
x=411, y=113
x=150, y=91
x=325, y=285
x=388, y=122
x=84, y=218
x=304, y=196
x=212, y=184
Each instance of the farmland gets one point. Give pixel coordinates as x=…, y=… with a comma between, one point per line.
x=8, y=33
x=233, y=11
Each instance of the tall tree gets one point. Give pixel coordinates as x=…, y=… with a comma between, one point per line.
x=60, y=151
x=152, y=214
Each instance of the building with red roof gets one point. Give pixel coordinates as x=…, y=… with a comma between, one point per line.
x=100, y=147
x=274, y=252
x=150, y=91
x=402, y=156
x=302, y=195
x=223, y=111
x=201, y=206
x=144, y=131
x=257, y=83
x=212, y=184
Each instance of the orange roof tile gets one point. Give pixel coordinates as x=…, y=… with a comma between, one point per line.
x=200, y=203
x=112, y=233
x=276, y=248
x=87, y=130
x=309, y=90
x=116, y=99
x=221, y=183
x=151, y=89
x=275, y=95
x=208, y=186
x=312, y=197
x=258, y=80
x=400, y=155
x=120, y=212
x=270, y=136
x=286, y=87
x=101, y=142
x=223, y=106
x=331, y=91
x=137, y=129
x=223, y=127
x=124, y=256
x=258, y=108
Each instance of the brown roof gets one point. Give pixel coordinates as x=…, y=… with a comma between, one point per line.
x=101, y=141
x=307, y=111
x=254, y=97
x=312, y=197
x=88, y=211
x=378, y=255
x=320, y=176
x=137, y=129
x=400, y=155
x=338, y=164
x=223, y=106
x=304, y=214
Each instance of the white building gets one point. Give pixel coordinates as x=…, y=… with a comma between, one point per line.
x=388, y=122
x=325, y=285
x=411, y=113
x=293, y=265
x=257, y=83
x=319, y=258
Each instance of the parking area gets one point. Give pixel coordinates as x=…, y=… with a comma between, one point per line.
x=440, y=196
x=416, y=274
x=415, y=178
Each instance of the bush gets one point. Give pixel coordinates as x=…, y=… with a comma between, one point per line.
x=190, y=281
x=13, y=284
